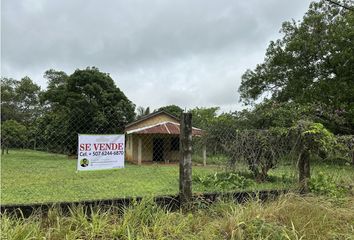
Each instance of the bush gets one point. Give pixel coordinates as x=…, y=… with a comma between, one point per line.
x=325, y=185
x=13, y=134
x=345, y=148
x=259, y=149
x=226, y=181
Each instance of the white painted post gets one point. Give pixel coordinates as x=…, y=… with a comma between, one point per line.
x=140, y=146
x=204, y=156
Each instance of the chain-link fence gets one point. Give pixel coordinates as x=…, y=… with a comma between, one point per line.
x=305, y=157
x=57, y=132
x=40, y=158
x=246, y=160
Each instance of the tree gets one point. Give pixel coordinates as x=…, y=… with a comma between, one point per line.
x=20, y=100
x=27, y=98
x=312, y=63
x=141, y=112
x=345, y=147
x=56, y=94
x=94, y=98
x=203, y=117
x=172, y=109
x=8, y=99
x=87, y=101
x=310, y=139
x=261, y=150
x=13, y=134
x=219, y=130
x=270, y=114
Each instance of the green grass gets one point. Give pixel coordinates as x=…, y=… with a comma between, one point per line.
x=289, y=217
x=211, y=159
x=38, y=177
x=285, y=175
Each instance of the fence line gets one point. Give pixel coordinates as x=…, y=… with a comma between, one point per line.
x=224, y=158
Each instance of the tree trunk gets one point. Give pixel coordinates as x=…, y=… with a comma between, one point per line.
x=304, y=171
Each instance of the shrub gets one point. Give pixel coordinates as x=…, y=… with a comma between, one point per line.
x=259, y=149
x=13, y=134
x=323, y=184
x=345, y=148
x=226, y=181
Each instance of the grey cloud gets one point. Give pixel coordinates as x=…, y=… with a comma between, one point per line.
x=159, y=51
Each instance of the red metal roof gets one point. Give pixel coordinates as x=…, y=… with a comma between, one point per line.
x=164, y=128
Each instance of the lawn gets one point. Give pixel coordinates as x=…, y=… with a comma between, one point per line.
x=38, y=177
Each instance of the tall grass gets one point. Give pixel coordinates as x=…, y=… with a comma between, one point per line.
x=289, y=217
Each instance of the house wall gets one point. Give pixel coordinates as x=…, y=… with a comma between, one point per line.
x=132, y=148
x=169, y=155
x=147, y=147
x=135, y=148
x=152, y=121
x=129, y=148
x=132, y=143
x=173, y=156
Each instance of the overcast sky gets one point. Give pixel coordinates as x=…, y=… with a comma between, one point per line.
x=159, y=52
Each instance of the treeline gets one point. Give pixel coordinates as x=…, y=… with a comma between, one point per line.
x=308, y=75
x=309, y=72
x=87, y=101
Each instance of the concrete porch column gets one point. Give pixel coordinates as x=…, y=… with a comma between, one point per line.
x=204, y=155
x=140, y=147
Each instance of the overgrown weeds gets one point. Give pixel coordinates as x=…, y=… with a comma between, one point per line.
x=289, y=217
x=223, y=181
x=326, y=185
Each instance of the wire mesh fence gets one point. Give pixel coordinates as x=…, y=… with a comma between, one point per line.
x=57, y=132
x=39, y=158
x=39, y=161
x=245, y=160
x=298, y=159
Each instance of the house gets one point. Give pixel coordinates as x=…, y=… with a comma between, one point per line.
x=154, y=138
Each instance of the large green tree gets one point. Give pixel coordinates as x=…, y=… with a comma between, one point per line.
x=13, y=135
x=204, y=117
x=87, y=101
x=19, y=100
x=172, y=109
x=8, y=103
x=313, y=63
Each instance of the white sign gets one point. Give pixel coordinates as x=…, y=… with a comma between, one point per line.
x=100, y=152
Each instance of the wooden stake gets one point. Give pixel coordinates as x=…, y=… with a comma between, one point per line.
x=185, y=164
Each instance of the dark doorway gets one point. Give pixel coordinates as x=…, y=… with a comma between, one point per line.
x=158, y=149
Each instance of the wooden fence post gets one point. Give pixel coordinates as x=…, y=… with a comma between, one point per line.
x=304, y=171
x=185, y=164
